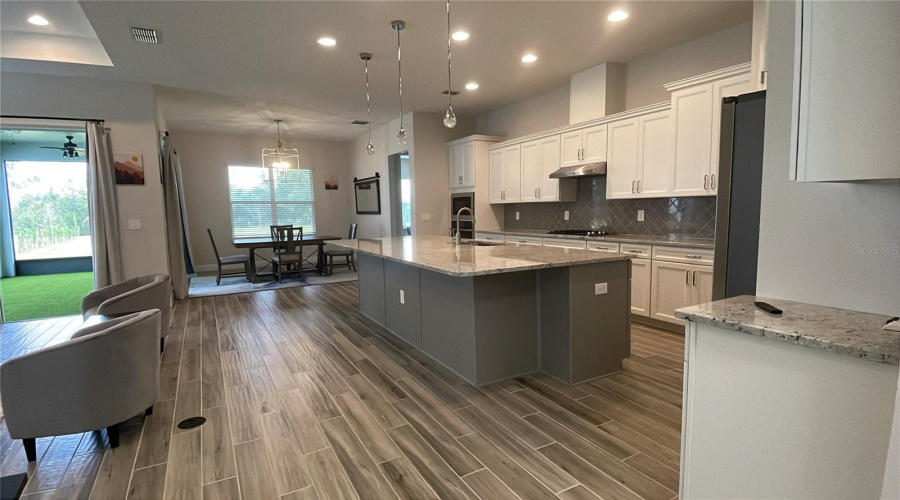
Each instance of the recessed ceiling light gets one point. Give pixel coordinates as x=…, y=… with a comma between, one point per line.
x=460, y=36
x=529, y=58
x=618, y=15
x=326, y=41
x=38, y=20
x=471, y=86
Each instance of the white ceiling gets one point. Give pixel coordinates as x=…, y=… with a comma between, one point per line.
x=68, y=38
x=235, y=65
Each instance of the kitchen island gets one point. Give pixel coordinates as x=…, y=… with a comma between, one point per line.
x=797, y=405
x=494, y=311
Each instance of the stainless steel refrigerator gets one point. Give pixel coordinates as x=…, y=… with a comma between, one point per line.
x=739, y=189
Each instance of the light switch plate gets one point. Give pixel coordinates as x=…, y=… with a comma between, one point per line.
x=402, y=297
x=426, y=217
x=566, y=215
x=517, y=215
x=640, y=216
x=600, y=288
x=134, y=224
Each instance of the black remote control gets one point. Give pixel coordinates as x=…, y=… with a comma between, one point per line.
x=769, y=308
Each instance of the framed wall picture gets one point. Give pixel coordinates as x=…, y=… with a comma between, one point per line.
x=331, y=183
x=129, y=168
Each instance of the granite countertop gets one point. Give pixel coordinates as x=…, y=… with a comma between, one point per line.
x=621, y=238
x=849, y=333
x=437, y=253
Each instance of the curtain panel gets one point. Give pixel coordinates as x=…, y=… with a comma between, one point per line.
x=177, y=235
x=7, y=256
x=104, y=211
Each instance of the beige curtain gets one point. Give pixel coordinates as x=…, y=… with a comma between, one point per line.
x=176, y=221
x=104, y=211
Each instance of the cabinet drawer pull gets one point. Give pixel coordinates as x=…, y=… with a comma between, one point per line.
x=634, y=251
x=691, y=256
x=694, y=278
x=687, y=277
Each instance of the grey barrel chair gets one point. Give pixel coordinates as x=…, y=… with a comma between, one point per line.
x=102, y=376
x=153, y=291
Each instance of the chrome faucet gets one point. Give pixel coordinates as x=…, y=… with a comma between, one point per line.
x=459, y=224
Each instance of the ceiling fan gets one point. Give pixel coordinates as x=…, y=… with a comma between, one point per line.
x=69, y=149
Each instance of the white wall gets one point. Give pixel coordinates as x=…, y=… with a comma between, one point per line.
x=205, y=157
x=814, y=236
x=128, y=109
x=644, y=79
x=428, y=165
x=528, y=116
x=645, y=76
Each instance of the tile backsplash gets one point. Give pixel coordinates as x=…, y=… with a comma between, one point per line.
x=687, y=217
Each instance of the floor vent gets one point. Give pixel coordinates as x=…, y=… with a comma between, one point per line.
x=145, y=35
x=191, y=423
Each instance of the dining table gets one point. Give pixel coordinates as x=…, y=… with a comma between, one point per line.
x=254, y=243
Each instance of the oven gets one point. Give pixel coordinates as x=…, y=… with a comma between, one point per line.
x=465, y=224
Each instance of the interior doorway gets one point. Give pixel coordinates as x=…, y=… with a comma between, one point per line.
x=401, y=194
x=45, y=266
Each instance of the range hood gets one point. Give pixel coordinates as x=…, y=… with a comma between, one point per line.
x=587, y=170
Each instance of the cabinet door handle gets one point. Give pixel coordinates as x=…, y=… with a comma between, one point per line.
x=460, y=179
x=705, y=181
x=691, y=256
x=535, y=193
x=687, y=278
x=540, y=192
x=712, y=181
x=639, y=186
x=634, y=251
x=632, y=186
x=694, y=278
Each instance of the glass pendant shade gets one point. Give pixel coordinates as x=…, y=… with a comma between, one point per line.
x=370, y=148
x=450, y=118
x=401, y=136
x=280, y=159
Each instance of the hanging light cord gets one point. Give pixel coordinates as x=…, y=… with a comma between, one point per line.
x=449, y=86
x=400, y=78
x=368, y=106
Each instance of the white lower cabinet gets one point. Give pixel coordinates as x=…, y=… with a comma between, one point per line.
x=640, y=287
x=675, y=285
x=489, y=236
x=564, y=243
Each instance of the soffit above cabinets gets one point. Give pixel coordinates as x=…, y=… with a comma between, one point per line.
x=69, y=38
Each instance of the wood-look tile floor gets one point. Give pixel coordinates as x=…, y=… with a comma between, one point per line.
x=306, y=398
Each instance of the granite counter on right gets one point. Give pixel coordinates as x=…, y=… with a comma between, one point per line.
x=798, y=405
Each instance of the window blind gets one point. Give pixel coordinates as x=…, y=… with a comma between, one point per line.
x=261, y=197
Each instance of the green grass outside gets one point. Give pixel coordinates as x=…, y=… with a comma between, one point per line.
x=46, y=296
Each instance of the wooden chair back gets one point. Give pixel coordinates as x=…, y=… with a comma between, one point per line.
x=213, y=241
x=352, y=232
x=289, y=238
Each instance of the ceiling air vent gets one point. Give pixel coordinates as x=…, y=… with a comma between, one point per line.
x=145, y=35
x=359, y=122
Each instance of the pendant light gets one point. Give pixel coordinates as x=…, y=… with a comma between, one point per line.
x=399, y=26
x=370, y=148
x=449, y=116
x=280, y=159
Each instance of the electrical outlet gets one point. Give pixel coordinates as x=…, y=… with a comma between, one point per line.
x=402, y=297
x=566, y=215
x=134, y=224
x=640, y=216
x=517, y=215
x=600, y=288
x=426, y=217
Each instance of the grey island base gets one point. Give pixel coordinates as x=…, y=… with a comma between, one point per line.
x=494, y=312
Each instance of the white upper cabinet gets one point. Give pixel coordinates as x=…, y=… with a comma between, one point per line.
x=551, y=189
x=696, y=114
x=594, y=140
x=512, y=174
x=655, y=155
x=586, y=145
x=622, y=165
x=462, y=165
x=846, y=73
x=531, y=170
x=496, y=175
x=570, y=148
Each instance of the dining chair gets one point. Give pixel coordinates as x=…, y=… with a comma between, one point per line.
x=348, y=255
x=288, y=257
x=227, y=260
